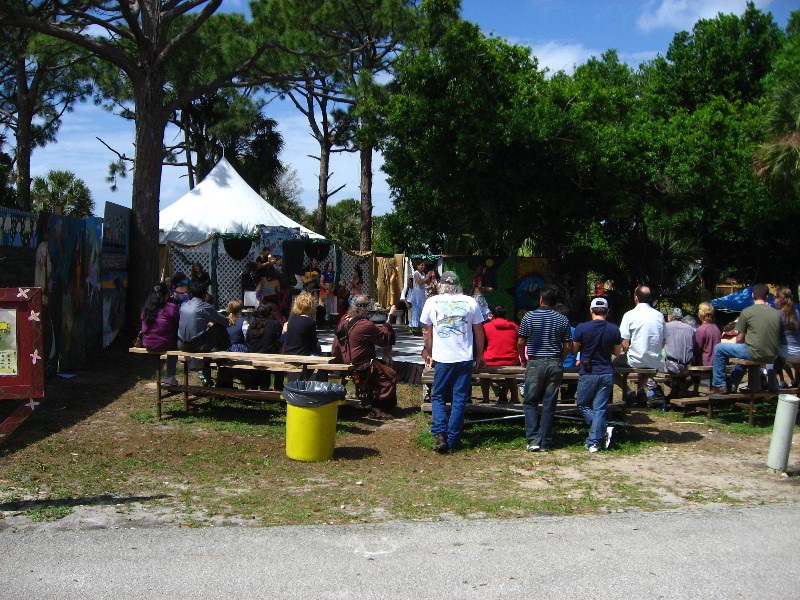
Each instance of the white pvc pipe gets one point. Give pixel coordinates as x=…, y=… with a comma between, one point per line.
x=782, y=430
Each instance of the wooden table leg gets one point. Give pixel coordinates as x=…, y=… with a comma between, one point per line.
x=752, y=407
x=514, y=390
x=158, y=390
x=485, y=390
x=185, y=384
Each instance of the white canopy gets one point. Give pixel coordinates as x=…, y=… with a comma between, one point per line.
x=221, y=203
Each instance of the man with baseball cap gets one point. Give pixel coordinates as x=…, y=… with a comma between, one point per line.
x=596, y=340
x=454, y=340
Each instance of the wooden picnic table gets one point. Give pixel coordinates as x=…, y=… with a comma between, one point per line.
x=280, y=363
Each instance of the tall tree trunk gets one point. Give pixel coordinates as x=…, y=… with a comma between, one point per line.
x=150, y=124
x=186, y=141
x=23, y=137
x=322, y=198
x=366, y=197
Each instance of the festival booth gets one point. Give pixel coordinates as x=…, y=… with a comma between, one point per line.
x=737, y=301
x=223, y=224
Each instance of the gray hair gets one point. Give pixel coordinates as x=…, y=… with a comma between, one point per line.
x=450, y=288
x=360, y=307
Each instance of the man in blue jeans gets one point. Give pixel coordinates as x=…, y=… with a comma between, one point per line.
x=596, y=340
x=547, y=335
x=454, y=340
x=758, y=335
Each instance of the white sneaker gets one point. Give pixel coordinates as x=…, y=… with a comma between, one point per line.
x=609, y=436
x=169, y=381
x=533, y=448
x=594, y=449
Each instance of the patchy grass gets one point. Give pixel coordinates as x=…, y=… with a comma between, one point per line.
x=732, y=419
x=224, y=461
x=45, y=514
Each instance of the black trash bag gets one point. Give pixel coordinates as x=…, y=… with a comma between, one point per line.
x=313, y=393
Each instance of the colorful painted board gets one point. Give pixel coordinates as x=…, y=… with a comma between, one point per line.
x=23, y=375
x=17, y=228
x=531, y=277
x=116, y=241
x=494, y=272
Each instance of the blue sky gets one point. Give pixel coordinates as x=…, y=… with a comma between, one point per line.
x=561, y=34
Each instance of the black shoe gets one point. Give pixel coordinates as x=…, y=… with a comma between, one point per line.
x=440, y=443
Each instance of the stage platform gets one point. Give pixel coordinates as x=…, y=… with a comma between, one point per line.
x=406, y=353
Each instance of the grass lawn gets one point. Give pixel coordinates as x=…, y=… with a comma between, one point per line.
x=95, y=443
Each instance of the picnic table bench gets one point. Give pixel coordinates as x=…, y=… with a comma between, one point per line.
x=515, y=375
x=303, y=366
x=745, y=399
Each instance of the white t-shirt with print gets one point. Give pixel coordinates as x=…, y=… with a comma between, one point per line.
x=645, y=328
x=452, y=317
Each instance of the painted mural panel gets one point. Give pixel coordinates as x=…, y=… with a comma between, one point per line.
x=531, y=277
x=75, y=305
x=17, y=228
x=116, y=241
x=94, y=286
x=489, y=276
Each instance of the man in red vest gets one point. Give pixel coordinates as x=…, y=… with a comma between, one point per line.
x=501, y=347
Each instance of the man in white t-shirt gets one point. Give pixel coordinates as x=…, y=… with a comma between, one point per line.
x=643, y=335
x=454, y=340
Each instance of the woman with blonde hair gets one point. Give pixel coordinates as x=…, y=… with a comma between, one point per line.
x=236, y=328
x=790, y=345
x=706, y=337
x=236, y=331
x=301, y=328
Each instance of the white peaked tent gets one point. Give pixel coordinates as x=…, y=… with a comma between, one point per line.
x=221, y=203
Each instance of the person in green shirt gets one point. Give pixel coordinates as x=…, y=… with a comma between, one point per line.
x=758, y=338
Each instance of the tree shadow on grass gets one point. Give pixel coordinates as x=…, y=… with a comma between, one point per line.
x=354, y=453
x=104, y=499
x=638, y=431
x=70, y=401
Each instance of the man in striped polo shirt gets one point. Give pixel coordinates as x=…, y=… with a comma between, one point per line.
x=547, y=336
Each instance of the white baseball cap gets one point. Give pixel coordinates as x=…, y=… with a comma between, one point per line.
x=599, y=303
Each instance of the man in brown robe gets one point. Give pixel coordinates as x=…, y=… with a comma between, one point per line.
x=355, y=342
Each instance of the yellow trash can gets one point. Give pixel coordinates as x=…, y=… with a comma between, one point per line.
x=311, y=411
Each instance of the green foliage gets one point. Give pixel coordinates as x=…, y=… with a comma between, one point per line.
x=227, y=122
x=726, y=56
x=344, y=223
x=285, y=194
x=62, y=189
x=460, y=114
x=8, y=196
x=778, y=160
x=637, y=175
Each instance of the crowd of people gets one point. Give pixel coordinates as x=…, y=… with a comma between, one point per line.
x=462, y=332
x=179, y=315
x=458, y=337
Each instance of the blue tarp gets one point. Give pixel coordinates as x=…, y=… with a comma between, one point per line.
x=738, y=301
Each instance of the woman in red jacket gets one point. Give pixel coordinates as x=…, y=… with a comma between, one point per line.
x=501, y=349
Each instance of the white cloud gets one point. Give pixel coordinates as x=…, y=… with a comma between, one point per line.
x=558, y=56
x=683, y=14
x=555, y=55
x=634, y=59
